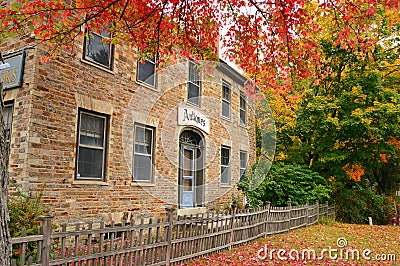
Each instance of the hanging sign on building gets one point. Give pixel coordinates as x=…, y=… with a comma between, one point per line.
x=11, y=75
x=188, y=116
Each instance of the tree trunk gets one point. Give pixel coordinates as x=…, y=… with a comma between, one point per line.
x=5, y=238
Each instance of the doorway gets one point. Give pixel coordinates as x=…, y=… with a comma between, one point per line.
x=191, y=172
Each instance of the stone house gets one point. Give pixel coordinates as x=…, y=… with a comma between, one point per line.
x=107, y=134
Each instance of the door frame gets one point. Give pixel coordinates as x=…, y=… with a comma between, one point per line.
x=192, y=139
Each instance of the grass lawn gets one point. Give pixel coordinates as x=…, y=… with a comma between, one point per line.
x=330, y=241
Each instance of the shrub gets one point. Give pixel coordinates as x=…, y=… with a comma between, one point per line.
x=24, y=212
x=355, y=202
x=282, y=182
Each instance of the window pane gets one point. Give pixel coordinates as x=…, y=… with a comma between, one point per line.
x=92, y=130
x=242, y=117
x=225, y=175
x=146, y=72
x=90, y=163
x=242, y=109
x=226, y=109
x=148, y=140
x=243, y=159
x=194, y=73
x=224, y=156
x=242, y=174
x=226, y=99
x=142, y=168
x=193, y=93
x=226, y=92
x=194, y=84
x=143, y=156
x=187, y=184
x=139, y=135
x=97, y=50
x=243, y=165
x=143, y=140
x=187, y=162
x=91, y=146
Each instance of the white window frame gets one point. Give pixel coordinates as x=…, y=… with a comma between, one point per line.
x=196, y=83
x=242, y=168
x=226, y=167
x=226, y=85
x=243, y=109
x=151, y=155
x=110, y=45
x=103, y=148
x=154, y=75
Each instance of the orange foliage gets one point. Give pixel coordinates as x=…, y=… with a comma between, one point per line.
x=383, y=157
x=355, y=171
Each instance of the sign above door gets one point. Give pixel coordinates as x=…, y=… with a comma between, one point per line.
x=188, y=116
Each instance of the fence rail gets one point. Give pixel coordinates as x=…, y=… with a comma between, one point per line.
x=159, y=242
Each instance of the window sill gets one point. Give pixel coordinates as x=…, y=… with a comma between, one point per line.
x=229, y=119
x=97, y=66
x=243, y=125
x=225, y=185
x=143, y=84
x=193, y=104
x=89, y=182
x=142, y=184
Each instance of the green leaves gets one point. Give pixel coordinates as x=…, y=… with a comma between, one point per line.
x=287, y=181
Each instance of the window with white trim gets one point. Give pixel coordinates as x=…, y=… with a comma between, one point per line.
x=98, y=49
x=194, y=83
x=243, y=109
x=7, y=118
x=92, y=140
x=225, y=165
x=146, y=72
x=226, y=99
x=243, y=165
x=143, y=153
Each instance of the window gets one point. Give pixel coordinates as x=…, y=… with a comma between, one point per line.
x=146, y=72
x=226, y=99
x=7, y=116
x=243, y=110
x=194, y=83
x=91, y=146
x=143, y=153
x=243, y=164
x=98, y=49
x=225, y=166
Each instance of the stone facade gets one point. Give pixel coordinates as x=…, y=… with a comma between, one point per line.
x=45, y=132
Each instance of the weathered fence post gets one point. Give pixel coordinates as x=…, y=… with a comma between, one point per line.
x=307, y=213
x=266, y=221
x=289, y=205
x=232, y=227
x=317, y=206
x=170, y=216
x=45, y=252
x=327, y=209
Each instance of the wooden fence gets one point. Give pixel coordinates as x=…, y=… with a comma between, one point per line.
x=159, y=242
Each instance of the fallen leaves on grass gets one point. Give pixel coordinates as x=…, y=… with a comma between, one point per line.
x=361, y=245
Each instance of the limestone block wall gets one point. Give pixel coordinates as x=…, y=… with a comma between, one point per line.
x=45, y=132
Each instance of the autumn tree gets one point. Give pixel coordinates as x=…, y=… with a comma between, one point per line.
x=266, y=39
x=345, y=124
